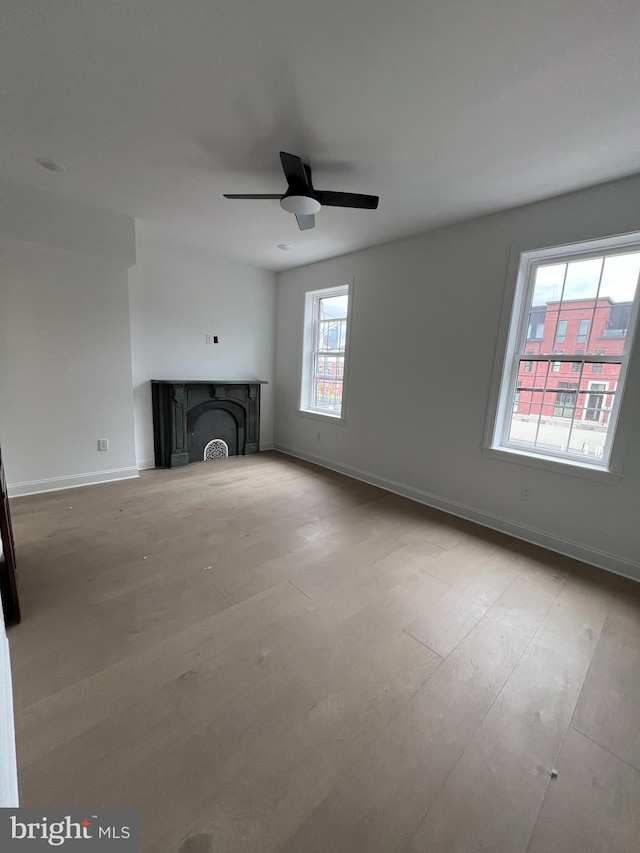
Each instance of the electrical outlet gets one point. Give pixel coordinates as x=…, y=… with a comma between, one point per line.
x=209, y=339
x=103, y=444
x=525, y=492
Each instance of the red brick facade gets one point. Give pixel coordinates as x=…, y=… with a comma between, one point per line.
x=563, y=389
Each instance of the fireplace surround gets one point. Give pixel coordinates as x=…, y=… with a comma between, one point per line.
x=188, y=415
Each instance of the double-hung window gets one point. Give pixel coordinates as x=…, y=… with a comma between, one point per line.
x=584, y=295
x=325, y=351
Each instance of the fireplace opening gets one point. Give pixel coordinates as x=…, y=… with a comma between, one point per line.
x=215, y=420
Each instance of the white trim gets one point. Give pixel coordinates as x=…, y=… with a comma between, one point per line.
x=322, y=416
x=71, y=481
x=8, y=762
x=145, y=464
x=600, y=559
x=597, y=474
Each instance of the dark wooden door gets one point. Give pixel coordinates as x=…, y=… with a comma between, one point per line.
x=8, y=587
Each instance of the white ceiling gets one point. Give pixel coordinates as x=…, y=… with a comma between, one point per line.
x=445, y=109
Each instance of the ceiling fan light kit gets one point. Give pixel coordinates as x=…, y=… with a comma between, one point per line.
x=301, y=205
x=303, y=200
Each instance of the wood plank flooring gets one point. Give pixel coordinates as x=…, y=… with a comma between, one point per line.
x=262, y=655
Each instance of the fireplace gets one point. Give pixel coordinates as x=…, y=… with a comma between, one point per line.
x=189, y=416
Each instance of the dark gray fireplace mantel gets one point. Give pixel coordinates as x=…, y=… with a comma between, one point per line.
x=178, y=404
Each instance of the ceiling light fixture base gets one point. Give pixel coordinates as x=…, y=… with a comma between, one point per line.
x=301, y=205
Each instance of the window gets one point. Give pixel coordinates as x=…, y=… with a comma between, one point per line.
x=561, y=334
x=618, y=321
x=324, y=351
x=536, y=324
x=565, y=400
x=593, y=412
x=597, y=366
x=583, y=329
x=583, y=293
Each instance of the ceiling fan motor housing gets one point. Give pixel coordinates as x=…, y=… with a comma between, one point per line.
x=301, y=205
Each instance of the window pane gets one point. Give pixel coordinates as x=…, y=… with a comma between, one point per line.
x=620, y=277
x=333, y=307
x=549, y=281
x=328, y=395
x=558, y=415
x=329, y=366
x=332, y=335
x=582, y=280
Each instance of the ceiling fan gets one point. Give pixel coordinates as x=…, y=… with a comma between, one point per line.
x=303, y=200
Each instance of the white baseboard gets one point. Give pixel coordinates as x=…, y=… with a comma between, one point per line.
x=71, y=481
x=145, y=464
x=600, y=559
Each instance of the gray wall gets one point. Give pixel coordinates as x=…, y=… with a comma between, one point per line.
x=65, y=352
x=178, y=296
x=428, y=322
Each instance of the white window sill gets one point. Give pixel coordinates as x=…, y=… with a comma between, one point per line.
x=569, y=468
x=322, y=416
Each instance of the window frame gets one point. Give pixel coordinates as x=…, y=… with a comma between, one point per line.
x=310, y=352
x=515, y=322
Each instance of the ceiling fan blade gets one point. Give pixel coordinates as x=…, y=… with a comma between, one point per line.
x=295, y=173
x=259, y=195
x=331, y=199
x=306, y=222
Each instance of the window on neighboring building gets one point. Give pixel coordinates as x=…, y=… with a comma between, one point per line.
x=539, y=413
x=565, y=401
x=597, y=366
x=583, y=330
x=593, y=410
x=536, y=324
x=618, y=321
x=324, y=351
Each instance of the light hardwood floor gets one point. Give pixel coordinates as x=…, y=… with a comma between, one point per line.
x=262, y=655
